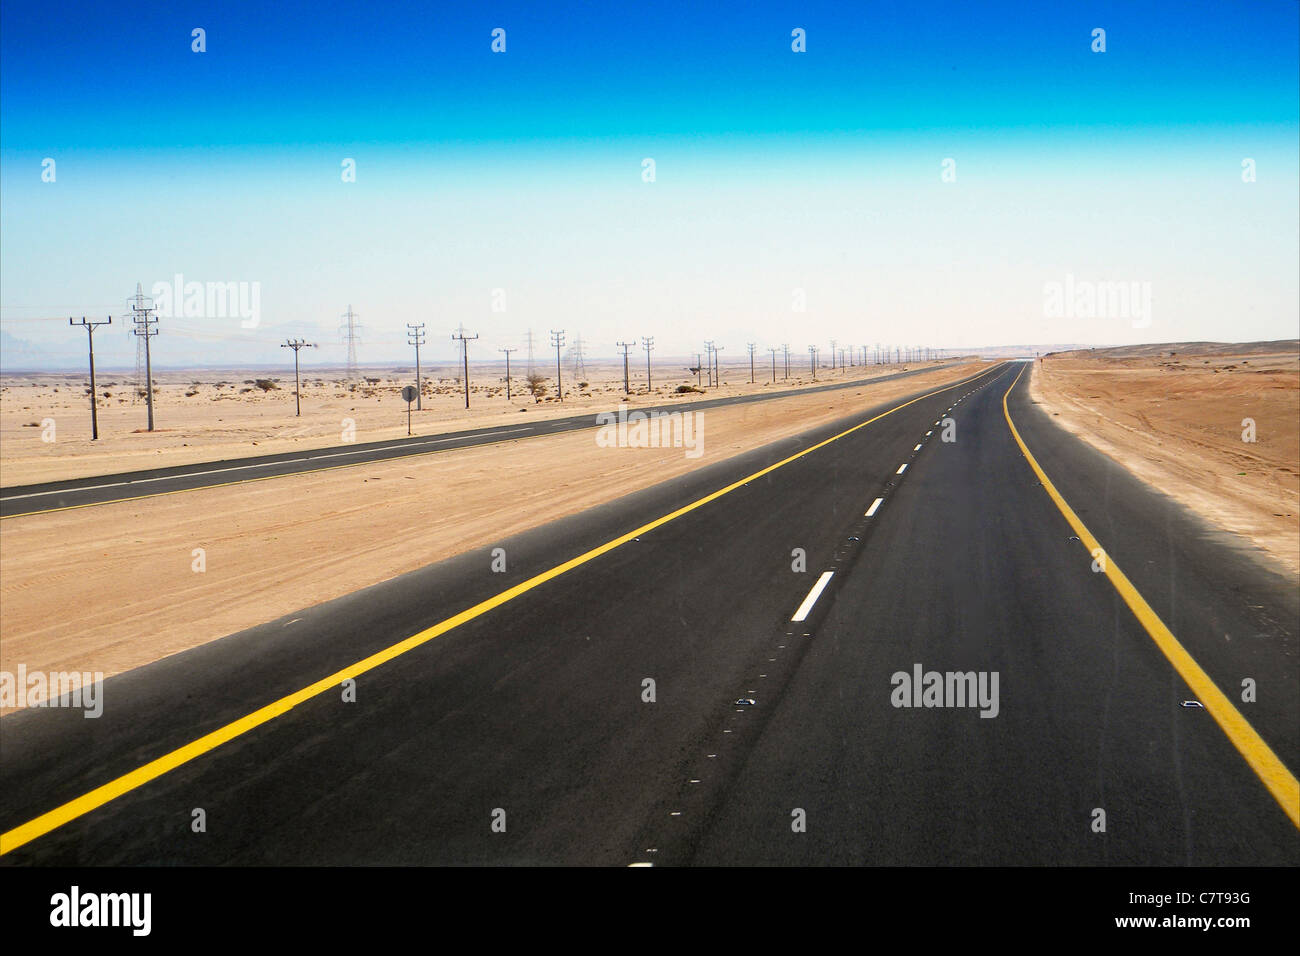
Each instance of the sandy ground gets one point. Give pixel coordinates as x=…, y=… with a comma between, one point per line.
x=1174, y=415
x=112, y=587
x=215, y=415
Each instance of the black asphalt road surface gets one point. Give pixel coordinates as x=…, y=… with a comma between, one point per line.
x=535, y=715
x=76, y=492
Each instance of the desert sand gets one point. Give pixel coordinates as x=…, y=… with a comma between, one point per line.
x=1175, y=415
x=122, y=575
x=214, y=414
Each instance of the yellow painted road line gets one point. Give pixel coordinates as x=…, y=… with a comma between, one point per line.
x=353, y=464
x=1281, y=783
x=80, y=806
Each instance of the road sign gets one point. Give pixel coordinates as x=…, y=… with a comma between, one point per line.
x=409, y=394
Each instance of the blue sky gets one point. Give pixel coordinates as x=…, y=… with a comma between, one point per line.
x=521, y=171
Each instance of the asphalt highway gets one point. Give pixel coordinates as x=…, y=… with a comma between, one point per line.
x=80, y=492
x=707, y=672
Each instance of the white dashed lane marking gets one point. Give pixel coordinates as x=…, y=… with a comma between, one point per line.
x=813, y=595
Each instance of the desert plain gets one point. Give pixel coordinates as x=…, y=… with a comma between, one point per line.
x=111, y=587
x=122, y=576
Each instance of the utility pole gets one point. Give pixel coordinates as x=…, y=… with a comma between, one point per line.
x=708, y=354
x=832, y=355
x=557, y=339
x=297, y=345
x=507, y=351
x=464, y=340
x=699, y=370
x=786, y=349
x=773, y=351
x=530, y=352
x=415, y=336
x=649, y=343
x=627, y=384
x=751, y=347
x=717, y=371
x=90, y=340
x=812, y=355
x=142, y=316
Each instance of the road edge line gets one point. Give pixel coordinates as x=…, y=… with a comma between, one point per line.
x=1270, y=769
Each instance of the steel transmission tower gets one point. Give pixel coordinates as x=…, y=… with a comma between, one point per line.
x=139, y=349
x=576, y=356
x=351, y=332
x=142, y=316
